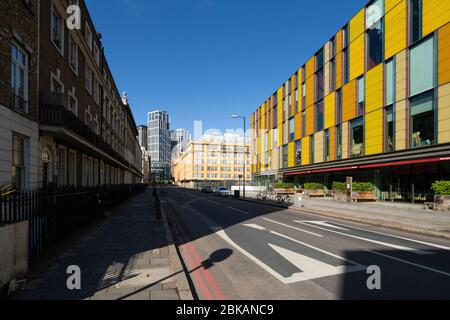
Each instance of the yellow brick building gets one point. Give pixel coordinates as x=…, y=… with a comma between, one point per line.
x=373, y=103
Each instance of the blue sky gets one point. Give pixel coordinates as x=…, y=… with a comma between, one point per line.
x=207, y=59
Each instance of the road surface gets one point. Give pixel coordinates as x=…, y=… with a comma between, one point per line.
x=237, y=250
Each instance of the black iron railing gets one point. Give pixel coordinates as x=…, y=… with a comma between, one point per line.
x=53, y=214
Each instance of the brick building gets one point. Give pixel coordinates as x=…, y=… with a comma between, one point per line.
x=18, y=93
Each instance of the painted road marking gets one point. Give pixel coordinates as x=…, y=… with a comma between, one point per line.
x=398, y=247
x=214, y=202
x=325, y=224
x=410, y=263
x=402, y=238
x=298, y=229
x=238, y=210
x=255, y=226
x=311, y=268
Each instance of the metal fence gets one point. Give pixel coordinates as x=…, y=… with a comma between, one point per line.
x=53, y=214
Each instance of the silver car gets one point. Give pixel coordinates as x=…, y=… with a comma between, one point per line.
x=223, y=192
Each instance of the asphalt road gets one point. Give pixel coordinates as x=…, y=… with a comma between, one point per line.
x=236, y=250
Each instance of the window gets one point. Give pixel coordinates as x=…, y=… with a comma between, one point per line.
x=319, y=116
x=18, y=169
x=285, y=132
x=296, y=101
x=73, y=103
x=304, y=95
x=320, y=79
x=346, y=37
x=339, y=142
x=62, y=167
x=333, y=47
x=422, y=67
x=291, y=130
x=346, y=65
x=88, y=36
x=415, y=20
x=72, y=169
x=389, y=130
x=303, y=123
x=390, y=82
x=422, y=120
x=298, y=153
x=332, y=85
x=73, y=55
x=361, y=97
x=285, y=156
x=96, y=54
x=19, y=79
x=311, y=149
x=375, y=45
x=339, y=106
x=57, y=25
x=357, y=138
x=374, y=13
x=275, y=116
x=96, y=91
x=327, y=145
x=88, y=79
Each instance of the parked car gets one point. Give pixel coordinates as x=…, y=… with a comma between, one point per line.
x=207, y=189
x=223, y=192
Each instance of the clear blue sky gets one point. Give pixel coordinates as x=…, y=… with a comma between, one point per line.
x=206, y=59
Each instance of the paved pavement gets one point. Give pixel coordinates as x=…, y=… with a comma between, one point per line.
x=400, y=216
x=130, y=257
x=242, y=250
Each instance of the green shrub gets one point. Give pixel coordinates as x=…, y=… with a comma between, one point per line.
x=283, y=185
x=339, y=186
x=363, y=187
x=6, y=190
x=313, y=186
x=441, y=188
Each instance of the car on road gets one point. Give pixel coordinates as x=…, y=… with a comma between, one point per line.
x=207, y=189
x=222, y=192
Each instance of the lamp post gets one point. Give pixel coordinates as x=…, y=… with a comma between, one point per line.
x=245, y=151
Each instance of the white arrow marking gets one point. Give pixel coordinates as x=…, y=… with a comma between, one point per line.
x=323, y=223
x=395, y=246
x=255, y=226
x=298, y=229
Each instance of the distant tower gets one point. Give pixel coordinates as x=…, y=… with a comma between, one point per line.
x=159, y=144
x=143, y=137
x=180, y=140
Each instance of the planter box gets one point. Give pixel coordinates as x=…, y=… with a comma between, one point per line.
x=316, y=193
x=287, y=191
x=340, y=195
x=441, y=203
x=364, y=196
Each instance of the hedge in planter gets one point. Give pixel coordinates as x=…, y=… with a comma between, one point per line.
x=339, y=186
x=313, y=186
x=363, y=187
x=281, y=185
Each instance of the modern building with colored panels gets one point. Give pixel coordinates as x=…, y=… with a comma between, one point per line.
x=373, y=103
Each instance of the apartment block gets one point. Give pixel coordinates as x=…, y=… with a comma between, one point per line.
x=372, y=103
x=216, y=160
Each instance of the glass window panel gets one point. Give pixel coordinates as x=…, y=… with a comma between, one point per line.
x=361, y=90
x=374, y=13
x=416, y=20
x=375, y=45
x=421, y=104
x=390, y=82
x=422, y=67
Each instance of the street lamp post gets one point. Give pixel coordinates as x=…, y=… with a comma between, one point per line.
x=245, y=151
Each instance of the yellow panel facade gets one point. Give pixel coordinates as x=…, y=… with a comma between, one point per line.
x=396, y=34
x=374, y=132
x=400, y=125
x=318, y=147
x=349, y=101
x=291, y=155
x=309, y=120
x=436, y=13
x=357, y=57
x=330, y=110
x=310, y=67
x=374, y=88
x=357, y=25
x=305, y=150
x=444, y=55
x=280, y=117
x=339, y=60
x=390, y=4
x=332, y=143
x=310, y=91
x=298, y=126
x=444, y=114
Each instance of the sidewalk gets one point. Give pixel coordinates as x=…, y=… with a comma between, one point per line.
x=399, y=216
x=130, y=257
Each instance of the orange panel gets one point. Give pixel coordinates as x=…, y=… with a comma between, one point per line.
x=310, y=91
x=309, y=120
x=339, y=70
x=300, y=80
x=444, y=54
x=311, y=67
x=349, y=101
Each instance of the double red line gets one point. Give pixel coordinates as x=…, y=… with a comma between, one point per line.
x=208, y=286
